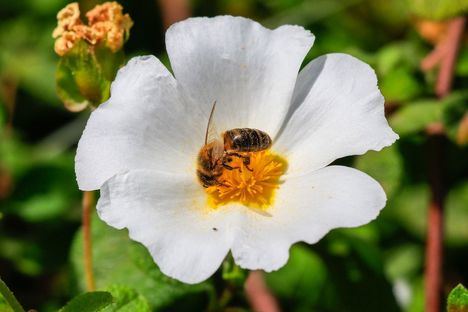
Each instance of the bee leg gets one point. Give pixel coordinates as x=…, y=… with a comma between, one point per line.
x=229, y=167
x=245, y=159
x=226, y=160
x=246, y=162
x=222, y=184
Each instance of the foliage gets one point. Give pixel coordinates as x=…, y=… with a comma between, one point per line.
x=438, y=9
x=305, y=272
x=131, y=265
x=126, y=299
x=92, y=301
x=8, y=301
x=458, y=299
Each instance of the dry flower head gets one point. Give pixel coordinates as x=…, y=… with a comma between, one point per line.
x=106, y=23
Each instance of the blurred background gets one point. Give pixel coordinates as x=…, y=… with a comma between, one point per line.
x=377, y=267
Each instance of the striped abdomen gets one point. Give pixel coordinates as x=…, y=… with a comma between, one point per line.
x=246, y=140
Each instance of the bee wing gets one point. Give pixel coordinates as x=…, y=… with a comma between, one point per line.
x=211, y=133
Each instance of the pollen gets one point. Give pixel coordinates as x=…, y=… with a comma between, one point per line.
x=252, y=185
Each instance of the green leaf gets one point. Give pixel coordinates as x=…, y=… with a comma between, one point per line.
x=355, y=270
x=119, y=260
x=388, y=58
x=458, y=299
x=14, y=155
x=302, y=279
x=461, y=67
x=307, y=12
x=400, y=85
x=456, y=215
x=360, y=241
x=45, y=191
x=3, y=115
x=8, y=298
x=88, y=302
x=27, y=54
x=4, y=306
x=416, y=117
x=455, y=107
x=393, y=14
x=43, y=207
x=417, y=302
x=409, y=208
x=406, y=55
x=397, y=65
x=438, y=9
x=404, y=262
x=385, y=166
x=25, y=255
x=126, y=300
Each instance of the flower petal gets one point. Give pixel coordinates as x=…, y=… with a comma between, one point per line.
x=167, y=214
x=337, y=110
x=306, y=208
x=249, y=70
x=143, y=125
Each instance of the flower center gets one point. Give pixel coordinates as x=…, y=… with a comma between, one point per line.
x=252, y=185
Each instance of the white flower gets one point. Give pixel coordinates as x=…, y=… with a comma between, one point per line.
x=140, y=147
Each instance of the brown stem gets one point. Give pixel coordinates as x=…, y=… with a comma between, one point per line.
x=8, y=91
x=88, y=201
x=174, y=11
x=447, y=64
x=258, y=294
x=434, y=247
x=444, y=55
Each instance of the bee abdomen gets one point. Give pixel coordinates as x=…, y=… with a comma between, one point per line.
x=246, y=140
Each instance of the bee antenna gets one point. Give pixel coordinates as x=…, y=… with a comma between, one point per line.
x=209, y=121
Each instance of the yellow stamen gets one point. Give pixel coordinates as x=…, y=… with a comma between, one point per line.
x=254, y=188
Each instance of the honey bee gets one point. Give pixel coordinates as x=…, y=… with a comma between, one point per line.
x=216, y=155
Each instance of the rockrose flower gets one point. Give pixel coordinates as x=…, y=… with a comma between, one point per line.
x=143, y=148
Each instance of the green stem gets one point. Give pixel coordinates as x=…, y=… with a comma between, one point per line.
x=226, y=296
x=9, y=297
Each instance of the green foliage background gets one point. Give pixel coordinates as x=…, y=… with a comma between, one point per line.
x=377, y=267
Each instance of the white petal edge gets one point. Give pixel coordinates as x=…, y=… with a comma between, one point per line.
x=337, y=110
x=144, y=125
x=306, y=208
x=168, y=215
x=248, y=69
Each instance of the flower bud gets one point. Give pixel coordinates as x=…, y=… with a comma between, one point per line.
x=90, y=53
